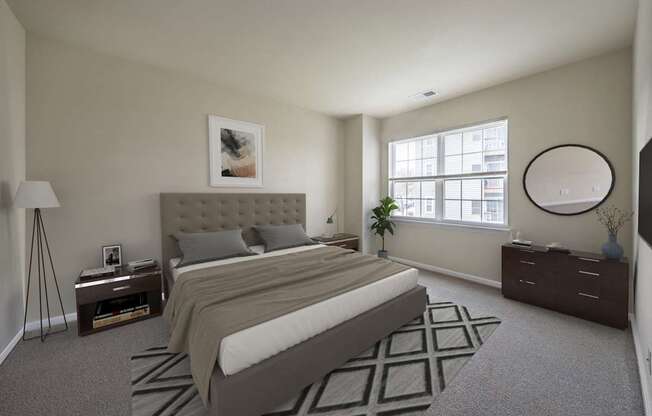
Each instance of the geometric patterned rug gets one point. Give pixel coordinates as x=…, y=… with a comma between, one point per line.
x=401, y=375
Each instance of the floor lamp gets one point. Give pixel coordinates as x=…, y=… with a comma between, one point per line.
x=39, y=195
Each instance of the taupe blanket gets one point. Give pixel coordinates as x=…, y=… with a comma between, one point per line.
x=207, y=305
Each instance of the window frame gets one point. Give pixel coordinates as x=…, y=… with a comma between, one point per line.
x=440, y=177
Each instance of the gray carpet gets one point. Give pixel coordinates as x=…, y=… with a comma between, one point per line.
x=537, y=362
x=401, y=374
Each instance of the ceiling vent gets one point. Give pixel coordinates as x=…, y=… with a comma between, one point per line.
x=424, y=95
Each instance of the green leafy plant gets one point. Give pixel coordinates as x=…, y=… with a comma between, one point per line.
x=382, y=218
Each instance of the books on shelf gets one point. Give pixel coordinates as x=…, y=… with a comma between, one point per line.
x=141, y=264
x=121, y=309
x=98, y=272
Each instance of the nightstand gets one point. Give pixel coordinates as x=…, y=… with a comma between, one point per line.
x=343, y=240
x=119, y=298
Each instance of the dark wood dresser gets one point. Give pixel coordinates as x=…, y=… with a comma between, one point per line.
x=585, y=285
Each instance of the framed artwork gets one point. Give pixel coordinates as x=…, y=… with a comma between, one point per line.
x=236, y=152
x=112, y=255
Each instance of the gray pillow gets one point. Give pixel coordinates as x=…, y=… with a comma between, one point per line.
x=277, y=237
x=218, y=245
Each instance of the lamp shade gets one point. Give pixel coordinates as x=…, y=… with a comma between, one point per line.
x=36, y=194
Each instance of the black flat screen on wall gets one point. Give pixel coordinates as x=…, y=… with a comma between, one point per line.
x=645, y=193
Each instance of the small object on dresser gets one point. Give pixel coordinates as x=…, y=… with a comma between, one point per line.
x=141, y=264
x=525, y=243
x=97, y=272
x=557, y=247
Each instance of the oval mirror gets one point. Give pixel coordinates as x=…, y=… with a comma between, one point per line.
x=569, y=179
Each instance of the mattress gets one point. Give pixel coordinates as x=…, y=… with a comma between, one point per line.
x=257, y=343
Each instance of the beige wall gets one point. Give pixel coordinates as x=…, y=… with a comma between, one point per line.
x=352, y=217
x=12, y=171
x=588, y=102
x=111, y=134
x=642, y=133
x=371, y=179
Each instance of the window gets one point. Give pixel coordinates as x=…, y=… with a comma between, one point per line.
x=456, y=176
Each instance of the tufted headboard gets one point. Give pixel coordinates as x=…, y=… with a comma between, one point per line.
x=200, y=212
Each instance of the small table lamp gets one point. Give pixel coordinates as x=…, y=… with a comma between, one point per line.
x=38, y=195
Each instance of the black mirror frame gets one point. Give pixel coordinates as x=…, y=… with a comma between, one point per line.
x=611, y=168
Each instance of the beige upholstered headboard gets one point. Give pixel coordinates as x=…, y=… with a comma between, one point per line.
x=202, y=212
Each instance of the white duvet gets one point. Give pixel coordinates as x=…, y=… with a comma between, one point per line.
x=257, y=343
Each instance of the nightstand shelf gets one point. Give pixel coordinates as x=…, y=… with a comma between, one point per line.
x=344, y=240
x=145, y=284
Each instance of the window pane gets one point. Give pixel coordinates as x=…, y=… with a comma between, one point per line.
x=495, y=138
x=453, y=144
x=401, y=151
x=429, y=167
x=494, y=212
x=429, y=148
x=412, y=207
x=414, y=150
x=428, y=189
x=493, y=189
x=472, y=189
x=453, y=165
x=428, y=208
x=401, y=169
x=473, y=141
x=472, y=163
x=452, y=210
x=494, y=161
x=472, y=211
x=413, y=189
x=398, y=190
x=414, y=168
x=401, y=206
x=452, y=189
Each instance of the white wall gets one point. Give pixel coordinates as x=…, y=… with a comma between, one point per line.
x=588, y=102
x=12, y=171
x=112, y=134
x=642, y=133
x=352, y=214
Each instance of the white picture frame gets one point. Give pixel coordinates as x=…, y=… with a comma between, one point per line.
x=241, y=163
x=112, y=255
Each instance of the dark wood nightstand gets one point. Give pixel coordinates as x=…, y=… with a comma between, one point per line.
x=120, y=298
x=343, y=240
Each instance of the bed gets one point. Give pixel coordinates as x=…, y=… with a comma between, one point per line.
x=297, y=348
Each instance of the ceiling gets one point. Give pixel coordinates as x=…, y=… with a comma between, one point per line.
x=342, y=57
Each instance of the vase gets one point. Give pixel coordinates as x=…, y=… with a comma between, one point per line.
x=611, y=249
x=382, y=254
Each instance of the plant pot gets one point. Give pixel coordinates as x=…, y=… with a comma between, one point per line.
x=382, y=254
x=611, y=249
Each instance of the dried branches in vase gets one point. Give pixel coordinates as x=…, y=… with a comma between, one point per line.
x=613, y=218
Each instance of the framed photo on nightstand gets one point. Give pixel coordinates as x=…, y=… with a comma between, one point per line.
x=112, y=255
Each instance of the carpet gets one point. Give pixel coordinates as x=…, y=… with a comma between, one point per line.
x=400, y=375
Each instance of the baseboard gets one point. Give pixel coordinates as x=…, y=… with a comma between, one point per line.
x=10, y=347
x=55, y=320
x=642, y=364
x=441, y=270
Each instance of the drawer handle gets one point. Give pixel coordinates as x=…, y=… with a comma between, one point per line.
x=589, y=273
x=531, y=263
x=586, y=295
x=588, y=259
x=119, y=288
x=342, y=245
x=526, y=251
x=527, y=282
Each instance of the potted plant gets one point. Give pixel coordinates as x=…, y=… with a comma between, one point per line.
x=382, y=221
x=613, y=219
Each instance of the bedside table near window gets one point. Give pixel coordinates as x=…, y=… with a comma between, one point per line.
x=344, y=240
x=119, y=298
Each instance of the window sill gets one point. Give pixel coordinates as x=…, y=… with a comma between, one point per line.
x=460, y=225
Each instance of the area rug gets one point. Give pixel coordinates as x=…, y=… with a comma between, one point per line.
x=400, y=375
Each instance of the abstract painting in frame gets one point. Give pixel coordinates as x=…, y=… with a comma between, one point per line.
x=236, y=152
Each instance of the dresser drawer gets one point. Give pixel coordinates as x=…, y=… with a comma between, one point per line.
x=119, y=288
x=607, y=280
x=594, y=308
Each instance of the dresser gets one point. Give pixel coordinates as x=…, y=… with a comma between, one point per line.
x=586, y=285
